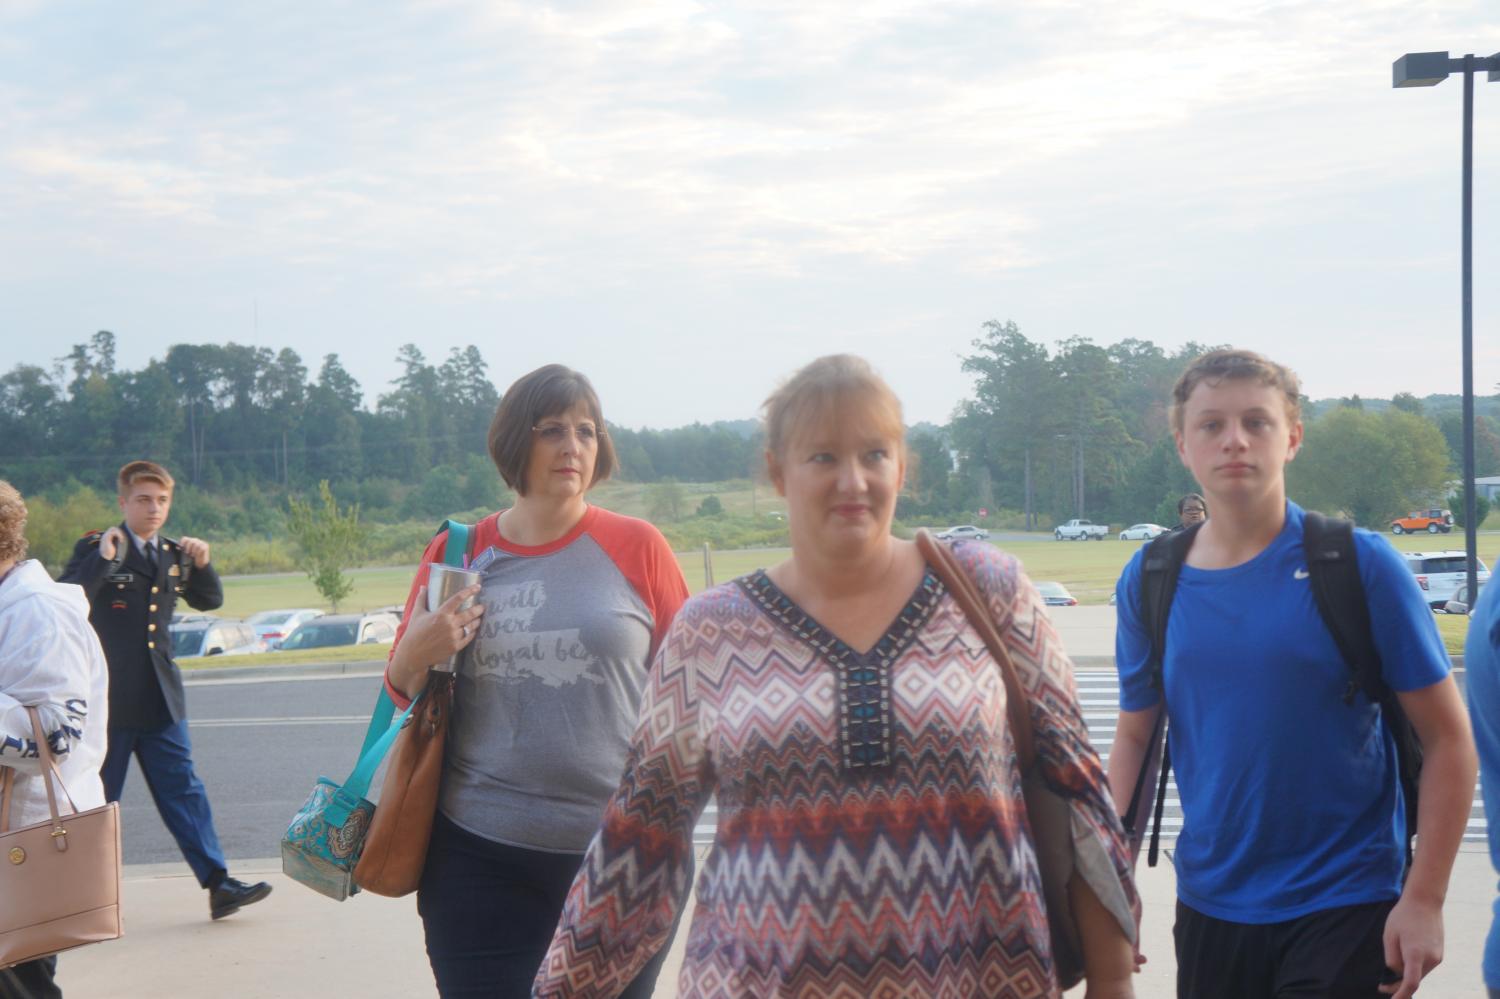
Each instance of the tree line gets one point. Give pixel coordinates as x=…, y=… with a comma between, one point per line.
x=1082, y=430
x=1079, y=429
x=232, y=417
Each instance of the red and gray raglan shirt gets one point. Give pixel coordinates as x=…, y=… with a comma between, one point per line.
x=547, y=694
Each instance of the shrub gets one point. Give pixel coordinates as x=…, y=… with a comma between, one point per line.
x=1456, y=504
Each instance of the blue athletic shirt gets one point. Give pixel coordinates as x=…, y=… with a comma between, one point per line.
x=1290, y=797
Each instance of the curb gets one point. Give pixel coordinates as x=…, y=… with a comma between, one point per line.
x=376, y=667
x=372, y=667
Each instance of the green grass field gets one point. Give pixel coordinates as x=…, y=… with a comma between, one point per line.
x=1088, y=569
x=245, y=595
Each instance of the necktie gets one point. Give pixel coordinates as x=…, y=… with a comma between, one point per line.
x=151, y=557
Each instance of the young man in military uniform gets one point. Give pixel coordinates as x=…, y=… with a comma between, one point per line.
x=133, y=576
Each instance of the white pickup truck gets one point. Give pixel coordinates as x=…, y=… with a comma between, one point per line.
x=1081, y=530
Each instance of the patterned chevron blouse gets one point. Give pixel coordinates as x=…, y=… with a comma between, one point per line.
x=872, y=834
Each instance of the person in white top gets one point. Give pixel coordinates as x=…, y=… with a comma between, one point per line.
x=50, y=659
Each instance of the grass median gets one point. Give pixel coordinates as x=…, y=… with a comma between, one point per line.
x=1088, y=569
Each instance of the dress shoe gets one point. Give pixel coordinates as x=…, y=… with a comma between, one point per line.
x=231, y=895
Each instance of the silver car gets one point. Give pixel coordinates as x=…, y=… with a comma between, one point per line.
x=343, y=629
x=1142, y=532
x=964, y=532
x=273, y=626
x=213, y=636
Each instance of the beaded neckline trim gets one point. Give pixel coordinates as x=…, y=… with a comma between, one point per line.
x=866, y=719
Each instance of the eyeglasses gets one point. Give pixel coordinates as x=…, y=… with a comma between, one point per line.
x=586, y=434
x=1193, y=509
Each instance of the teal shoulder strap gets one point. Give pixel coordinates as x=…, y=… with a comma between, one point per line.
x=380, y=720
x=381, y=732
x=378, y=739
x=458, y=542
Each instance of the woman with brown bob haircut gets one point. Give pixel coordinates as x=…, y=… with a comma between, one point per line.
x=572, y=604
x=872, y=837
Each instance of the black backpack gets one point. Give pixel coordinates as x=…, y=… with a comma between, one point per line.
x=1340, y=596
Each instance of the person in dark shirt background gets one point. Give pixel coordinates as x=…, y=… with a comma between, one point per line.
x=1191, y=509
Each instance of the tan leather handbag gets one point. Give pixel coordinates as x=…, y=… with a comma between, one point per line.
x=395, y=849
x=60, y=879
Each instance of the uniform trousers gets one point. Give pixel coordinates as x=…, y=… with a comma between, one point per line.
x=166, y=759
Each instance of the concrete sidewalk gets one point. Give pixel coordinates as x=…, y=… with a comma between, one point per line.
x=298, y=943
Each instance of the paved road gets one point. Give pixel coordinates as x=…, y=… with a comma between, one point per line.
x=259, y=747
x=260, y=744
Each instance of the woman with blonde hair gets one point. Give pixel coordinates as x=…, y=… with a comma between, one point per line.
x=872, y=838
x=50, y=660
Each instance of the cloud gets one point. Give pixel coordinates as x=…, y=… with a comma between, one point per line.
x=489, y=157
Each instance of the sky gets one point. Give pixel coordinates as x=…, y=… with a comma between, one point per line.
x=687, y=201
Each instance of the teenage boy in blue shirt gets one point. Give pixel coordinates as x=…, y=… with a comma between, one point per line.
x=1291, y=855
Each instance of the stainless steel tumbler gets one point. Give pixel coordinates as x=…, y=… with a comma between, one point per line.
x=443, y=581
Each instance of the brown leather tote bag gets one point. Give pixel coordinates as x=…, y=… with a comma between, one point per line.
x=59, y=879
x=396, y=846
x=1047, y=812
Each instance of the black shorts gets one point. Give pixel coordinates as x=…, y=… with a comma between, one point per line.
x=1335, y=953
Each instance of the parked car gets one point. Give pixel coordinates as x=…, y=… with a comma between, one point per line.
x=1460, y=604
x=1055, y=594
x=273, y=626
x=1079, y=529
x=1432, y=521
x=199, y=635
x=1440, y=574
x=343, y=629
x=1142, y=532
x=964, y=532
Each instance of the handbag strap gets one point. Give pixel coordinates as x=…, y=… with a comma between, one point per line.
x=941, y=559
x=454, y=552
x=7, y=780
x=382, y=732
x=49, y=774
x=349, y=794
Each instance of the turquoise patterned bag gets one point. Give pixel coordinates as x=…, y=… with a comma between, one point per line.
x=322, y=844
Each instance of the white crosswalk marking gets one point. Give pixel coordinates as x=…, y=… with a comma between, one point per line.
x=1098, y=695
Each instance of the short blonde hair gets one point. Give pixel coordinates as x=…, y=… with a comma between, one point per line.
x=826, y=386
x=12, y=524
x=1234, y=365
x=137, y=471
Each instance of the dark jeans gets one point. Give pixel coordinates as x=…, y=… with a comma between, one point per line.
x=166, y=759
x=1332, y=954
x=30, y=980
x=489, y=911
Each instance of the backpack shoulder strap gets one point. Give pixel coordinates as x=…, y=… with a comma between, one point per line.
x=1161, y=564
x=1328, y=544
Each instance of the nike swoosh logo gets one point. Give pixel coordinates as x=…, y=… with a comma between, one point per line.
x=1301, y=574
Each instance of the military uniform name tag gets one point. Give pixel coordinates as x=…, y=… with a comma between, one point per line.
x=122, y=577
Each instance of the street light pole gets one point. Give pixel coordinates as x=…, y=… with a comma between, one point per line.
x=1471, y=529
x=1428, y=69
